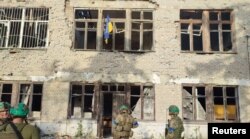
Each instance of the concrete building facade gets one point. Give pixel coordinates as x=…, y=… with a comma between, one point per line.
x=74, y=62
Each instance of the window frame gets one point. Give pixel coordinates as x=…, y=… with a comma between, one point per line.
x=18, y=32
x=82, y=95
x=118, y=92
x=16, y=92
x=127, y=24
x=205, y=31
x=209, y=102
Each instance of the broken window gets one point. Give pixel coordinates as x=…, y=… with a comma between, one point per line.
x=210, y=103
x=114, y=26
x=85, y=29
x=109, y=97
x=29, y=93
x=24, y=27
x=142, y=102
x=142, y=30
x=114, y=29
x=82, y=101
x=206, y=30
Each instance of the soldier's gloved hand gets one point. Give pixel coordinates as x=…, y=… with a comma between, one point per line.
x=135, y=124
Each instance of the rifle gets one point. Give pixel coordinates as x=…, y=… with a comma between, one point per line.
x=166, y=128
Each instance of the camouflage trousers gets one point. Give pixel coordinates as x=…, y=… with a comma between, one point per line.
x=121, y=135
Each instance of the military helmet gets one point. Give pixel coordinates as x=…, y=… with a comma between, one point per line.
x=4, y=106
x=173, y=109
x=20, y=111
x=123, y=107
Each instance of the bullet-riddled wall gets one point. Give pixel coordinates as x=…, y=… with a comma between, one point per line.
x=167, y=67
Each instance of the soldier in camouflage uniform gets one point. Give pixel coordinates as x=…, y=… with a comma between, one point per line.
x=4, y=115
x=23, y=129
x=5, y=120
x=175, y=124
x=123, y=123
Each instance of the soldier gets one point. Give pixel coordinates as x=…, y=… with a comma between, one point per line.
x=4, y=115
x=175, y=124
x=21, y=128
x=123, y=124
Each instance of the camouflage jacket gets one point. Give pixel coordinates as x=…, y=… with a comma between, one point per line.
x=175, y=128
x=123, y=125
x=28, y=131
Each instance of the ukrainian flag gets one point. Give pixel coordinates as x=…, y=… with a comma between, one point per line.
x=108, y=28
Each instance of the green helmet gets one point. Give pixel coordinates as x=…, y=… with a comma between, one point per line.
x=20, y=111
x=4, y=106
x=173, y=109
x=123, y=107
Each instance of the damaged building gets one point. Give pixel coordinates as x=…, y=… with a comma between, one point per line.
x=74, y=62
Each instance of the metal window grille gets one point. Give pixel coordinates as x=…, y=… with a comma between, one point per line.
x=24, y=27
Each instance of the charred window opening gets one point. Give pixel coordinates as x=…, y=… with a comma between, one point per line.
x=115, y=26
x=24, y=27
x=206, y=30
x=6, y=92
x=82, y=101
x=221, y=101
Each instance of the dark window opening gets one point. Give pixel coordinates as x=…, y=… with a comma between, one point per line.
x=37, y=97
x=82, y=101
x=196, y=14
x=135, y=90
x=108, y=104
x=86, y=29
x=6, y=92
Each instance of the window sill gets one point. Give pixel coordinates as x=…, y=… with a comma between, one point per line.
x=19, y=49
x=212, y=52
x=125, y=51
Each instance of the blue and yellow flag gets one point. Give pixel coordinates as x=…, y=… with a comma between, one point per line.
x=108, y=28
